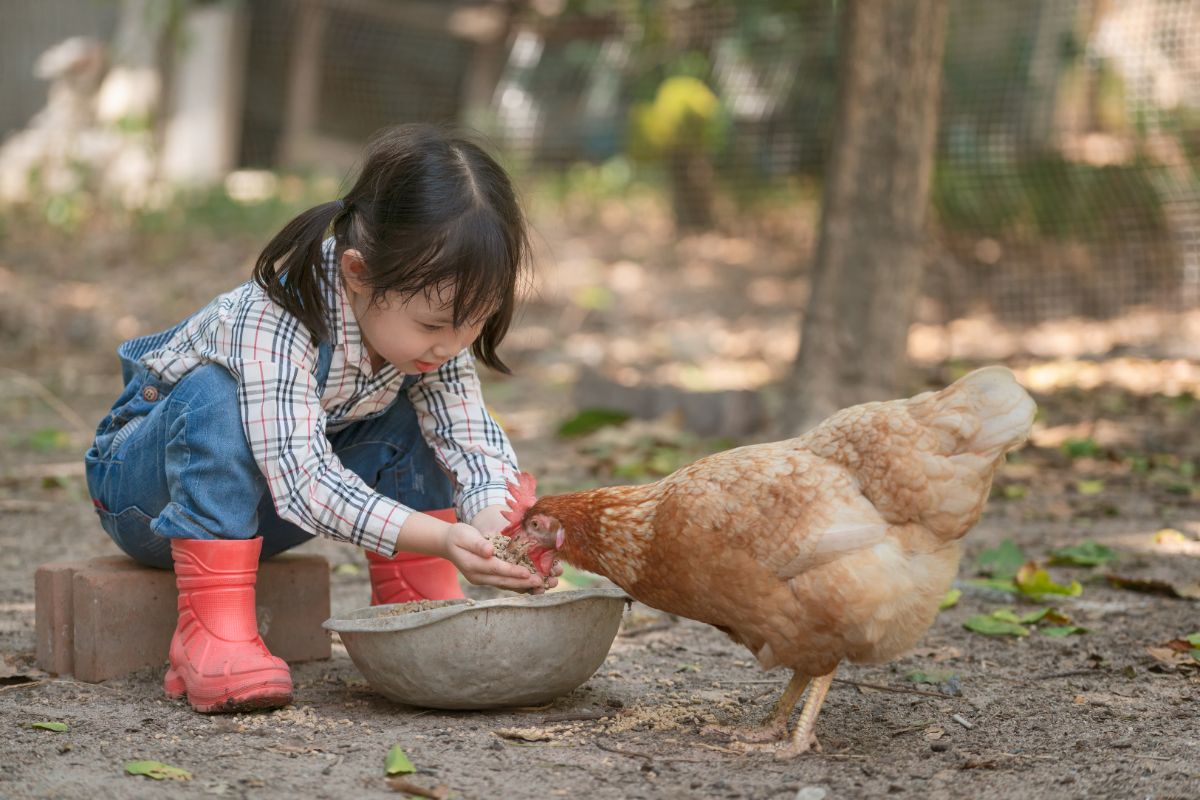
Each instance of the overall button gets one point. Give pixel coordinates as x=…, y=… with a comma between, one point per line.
x=149, y=393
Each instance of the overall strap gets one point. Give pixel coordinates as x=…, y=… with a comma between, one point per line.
x=324, y=359
x=131, y=351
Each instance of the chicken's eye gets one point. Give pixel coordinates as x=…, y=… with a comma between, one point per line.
x=535, y=524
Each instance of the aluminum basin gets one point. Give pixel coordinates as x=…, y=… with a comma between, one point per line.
x=511, y=651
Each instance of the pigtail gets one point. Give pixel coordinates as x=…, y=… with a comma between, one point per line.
x=291, y=268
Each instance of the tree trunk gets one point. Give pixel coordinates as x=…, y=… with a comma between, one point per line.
x=869, y=254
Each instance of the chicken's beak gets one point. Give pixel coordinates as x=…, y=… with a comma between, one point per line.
x=546, y=543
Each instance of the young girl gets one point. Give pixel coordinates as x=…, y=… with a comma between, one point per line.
x=333, y=394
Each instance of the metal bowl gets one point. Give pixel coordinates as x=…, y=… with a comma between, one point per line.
x=513, y=651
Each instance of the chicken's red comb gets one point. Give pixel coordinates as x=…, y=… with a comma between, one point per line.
x=521, y=497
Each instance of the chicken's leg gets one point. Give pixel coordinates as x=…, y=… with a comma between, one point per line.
x=803, y=738
x=775, y=725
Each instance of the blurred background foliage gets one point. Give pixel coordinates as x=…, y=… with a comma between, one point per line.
x=672, y=155
x=1062, y=121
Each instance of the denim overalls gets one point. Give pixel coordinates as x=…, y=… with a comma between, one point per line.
x=172, y=461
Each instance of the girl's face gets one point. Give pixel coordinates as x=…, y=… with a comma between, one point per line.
x=414, y=334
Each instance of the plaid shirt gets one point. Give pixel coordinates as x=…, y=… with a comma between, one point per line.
x=286, y=415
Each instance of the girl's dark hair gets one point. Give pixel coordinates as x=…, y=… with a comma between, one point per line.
x=430, y=210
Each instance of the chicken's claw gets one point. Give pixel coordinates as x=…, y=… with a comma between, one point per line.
x=741, y=734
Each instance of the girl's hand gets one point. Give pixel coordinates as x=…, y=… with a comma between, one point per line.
x=472, y=554
x=490, y=520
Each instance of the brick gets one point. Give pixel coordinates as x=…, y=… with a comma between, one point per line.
x=109, y=616
x=55, y=633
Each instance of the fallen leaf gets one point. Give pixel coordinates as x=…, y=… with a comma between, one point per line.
x=58, y=727
x=1002, y=561
x=1169, y=536
x=1015, y=491
x=397, y=762
x=1044, y=615
x=157, y=770
x=992, y=626
x=347, y=569
x=1169, y=540
x=1036, y=582
x=1190, y=591
x=950, y=600
x=1084, y=554
x=947, y=681
x=439, y=792
x=524, y=734
x=1175, y=657
x=1061, y=630
x=993, y=584
x=1080, y=448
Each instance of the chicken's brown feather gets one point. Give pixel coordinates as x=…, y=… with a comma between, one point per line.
x=836, y=545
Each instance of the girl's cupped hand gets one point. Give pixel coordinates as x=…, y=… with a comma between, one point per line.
x=473, y=555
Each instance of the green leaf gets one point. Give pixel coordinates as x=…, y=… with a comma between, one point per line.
x=950, y=600
x=1080, y=448
x=1084, y=554
x=933, y=677
x=58, y=727
x=591, y=420
x=1006, y=585
x=398, y=763
x=1089, y=487
x=1035, y=582
x=1193, y=639
x=1006, y=615
x=1033, y=616
x=991, y=626
x=157, y=770
x=1001, y=562
x=1045, y=615
x=1061, y=630
x=1015, y=491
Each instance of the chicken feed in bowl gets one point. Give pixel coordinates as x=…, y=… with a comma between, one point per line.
x=511, y=651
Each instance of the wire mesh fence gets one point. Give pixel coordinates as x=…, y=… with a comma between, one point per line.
x=1066, y=178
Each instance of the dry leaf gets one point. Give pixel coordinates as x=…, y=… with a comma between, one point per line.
x=525, y=734
x=439, y=792
x=1176, y=654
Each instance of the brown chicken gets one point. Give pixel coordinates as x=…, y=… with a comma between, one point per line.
x=838, y=544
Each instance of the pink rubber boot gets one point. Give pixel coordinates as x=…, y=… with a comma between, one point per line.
x=217, y=657
x=407, y=577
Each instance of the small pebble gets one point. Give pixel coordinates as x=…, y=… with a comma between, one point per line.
x=939, y=746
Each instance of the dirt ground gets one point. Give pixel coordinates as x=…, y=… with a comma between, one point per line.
x=1089, y=715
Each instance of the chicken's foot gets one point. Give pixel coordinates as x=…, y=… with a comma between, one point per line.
x=774, y=727
x=803, y=738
